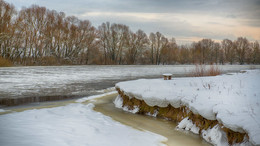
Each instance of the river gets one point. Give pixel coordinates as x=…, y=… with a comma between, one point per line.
x=22, y=85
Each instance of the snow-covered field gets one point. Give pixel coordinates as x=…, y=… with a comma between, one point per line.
x=232, y=99
x=72, y=125
x=81, y=81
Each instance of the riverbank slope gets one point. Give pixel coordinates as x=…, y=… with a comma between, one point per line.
x=223, y=109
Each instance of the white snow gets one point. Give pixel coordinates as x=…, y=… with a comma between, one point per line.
x=187, y=124
x=72, y=125
x=119, y=104
x=110, y=89
x=167, y=74
x=214, y=135
x=232, y=99
x=2, y=110
x=94, y=97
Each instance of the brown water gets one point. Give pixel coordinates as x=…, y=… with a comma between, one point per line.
x=160, y=126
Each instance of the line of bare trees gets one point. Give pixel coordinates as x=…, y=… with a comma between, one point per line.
x=39, y=36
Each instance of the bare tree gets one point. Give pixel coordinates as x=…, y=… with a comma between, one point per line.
x=196, y=53
x=33, y=21
x=184, y=55
x=169, y=52
x=157, y=43
x=242, y=47
x=206, y=46
x=87, y=40
x=152, y=39
x=255, y=53
x=229, y=52
x=6, y=28
x=216, y=52
x=103, y=33
x=136, y=44
x=113, y=39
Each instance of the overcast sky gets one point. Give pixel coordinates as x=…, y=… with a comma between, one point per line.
x=185, y=20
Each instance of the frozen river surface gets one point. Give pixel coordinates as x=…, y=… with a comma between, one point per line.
x=77, y=81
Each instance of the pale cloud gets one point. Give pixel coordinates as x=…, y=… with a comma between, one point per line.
x=181, y=26
x=136, y=16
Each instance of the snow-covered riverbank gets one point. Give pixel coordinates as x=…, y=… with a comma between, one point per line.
x=233, y=100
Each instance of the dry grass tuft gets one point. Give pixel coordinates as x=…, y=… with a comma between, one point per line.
x=213, y=71
x=200, y=70
x=5, y=62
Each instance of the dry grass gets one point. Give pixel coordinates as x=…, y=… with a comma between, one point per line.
x=5, y=62
x=48, y=60
x=200, y=70
x=213, y=71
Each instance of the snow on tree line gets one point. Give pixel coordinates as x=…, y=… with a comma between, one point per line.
x=39, y=36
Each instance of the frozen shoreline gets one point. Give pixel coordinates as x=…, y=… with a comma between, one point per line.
x=74, y=124
x=232, y=100
x=103, y=104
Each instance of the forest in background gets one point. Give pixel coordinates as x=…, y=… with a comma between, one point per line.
x=39, y=36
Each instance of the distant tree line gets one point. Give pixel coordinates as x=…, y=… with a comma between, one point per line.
x=39, y=36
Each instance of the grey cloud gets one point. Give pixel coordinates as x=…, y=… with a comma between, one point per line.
x=177, y=29
x=254, y=23
x=231, y=16
x=218, y=23
x=227, y=7
x=235, y=9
